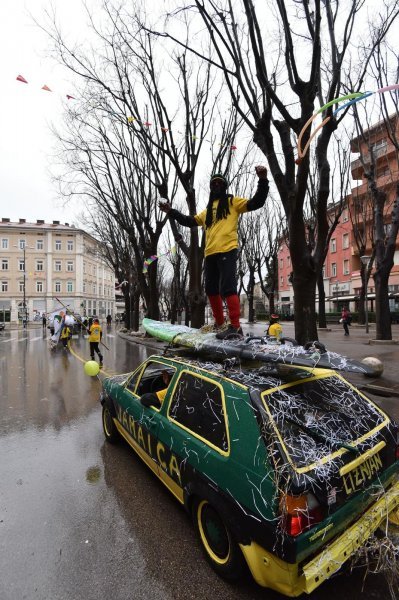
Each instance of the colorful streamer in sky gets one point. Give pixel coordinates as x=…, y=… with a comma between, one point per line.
x=131, y=120
x=45, y=87
x=350, y=99
x=151, y=259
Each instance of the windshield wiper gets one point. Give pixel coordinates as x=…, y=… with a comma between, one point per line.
x=318, y=435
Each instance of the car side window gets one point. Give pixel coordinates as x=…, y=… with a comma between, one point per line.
x=197, y=404
x=155, y=377
x=131, y=384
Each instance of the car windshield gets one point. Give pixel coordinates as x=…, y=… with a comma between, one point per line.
x=317, y=417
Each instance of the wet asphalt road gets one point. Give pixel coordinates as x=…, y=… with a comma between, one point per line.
x=83, y=520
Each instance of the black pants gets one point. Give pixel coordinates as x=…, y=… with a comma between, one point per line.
x=345, y=326
x=94, y=348
x=220, y=274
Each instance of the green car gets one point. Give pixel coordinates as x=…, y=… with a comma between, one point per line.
x=284, y=469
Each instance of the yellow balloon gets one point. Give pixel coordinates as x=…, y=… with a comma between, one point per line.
x=92, y=368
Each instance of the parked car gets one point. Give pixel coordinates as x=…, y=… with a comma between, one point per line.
x=284, y=469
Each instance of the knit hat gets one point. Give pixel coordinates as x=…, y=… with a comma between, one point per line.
x=274, y=317
x=220, y=177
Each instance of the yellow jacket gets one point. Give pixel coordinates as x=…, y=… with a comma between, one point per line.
x=95, y=332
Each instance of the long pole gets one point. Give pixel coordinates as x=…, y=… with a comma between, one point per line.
x=24, y=316
x=367, y=308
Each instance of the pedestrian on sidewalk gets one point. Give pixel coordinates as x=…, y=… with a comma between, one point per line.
x=95, y=335
x=44, y=321
x=220, y=223
x=346, y=319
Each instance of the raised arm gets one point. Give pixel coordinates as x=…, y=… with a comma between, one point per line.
x=259, y=199
x=184, y=220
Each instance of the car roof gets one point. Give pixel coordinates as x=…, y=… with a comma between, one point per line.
x=251, y=374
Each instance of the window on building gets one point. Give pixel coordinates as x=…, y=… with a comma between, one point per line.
x=57, y=265
x=387, y=228
x=39, y=265
x=84, y=287
x=4, y=264
x=345, y=215
x=21, y=244
x=57, y=286
x=197, y=405
x=379, y=144
x=21, y=264
x=323, y=271
x=288, y=261
x=69, y=266
x=69, y=286
x=39, y=244
x=58, y=244
x=84, y=267
x=39, y=286
x=100, y=289
x=345, y=240
x=94, y=288
x=4, y=244
x=21, y=286
x=70, y=245
x=346, y=267
x=282, y=280
x=281, y=263
x=333, y=269
x=333, y=245
x=4, y=286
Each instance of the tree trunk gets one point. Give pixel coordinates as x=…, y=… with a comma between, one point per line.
x=196, y=297
x=135, y=319
x=382, y=311
x=250, y=296
x=362, y=297
x=322, y=301
x=304, y=308
x=126, y=295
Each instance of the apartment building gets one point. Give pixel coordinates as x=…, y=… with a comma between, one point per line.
x=341, y=272
x=41, y=261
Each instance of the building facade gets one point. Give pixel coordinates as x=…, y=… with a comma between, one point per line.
x=341, y=271
x=40, y=261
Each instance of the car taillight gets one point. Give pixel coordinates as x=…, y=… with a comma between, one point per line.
x=300, y=513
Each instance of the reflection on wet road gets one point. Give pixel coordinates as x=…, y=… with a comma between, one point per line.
x=80, y=519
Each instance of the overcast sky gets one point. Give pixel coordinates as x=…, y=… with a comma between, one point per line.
x=26, y=144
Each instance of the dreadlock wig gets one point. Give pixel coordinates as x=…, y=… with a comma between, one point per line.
x=224, y=200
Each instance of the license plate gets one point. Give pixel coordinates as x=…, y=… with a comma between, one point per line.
x=356, y=479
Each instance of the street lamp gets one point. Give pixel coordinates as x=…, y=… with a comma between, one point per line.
x=366, y=261
x=24, y=312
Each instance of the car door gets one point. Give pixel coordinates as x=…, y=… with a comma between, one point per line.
x=140, y=422
x=193, y=437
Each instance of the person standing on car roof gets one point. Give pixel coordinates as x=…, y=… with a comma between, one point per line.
x=95, y=335
x=220, y=223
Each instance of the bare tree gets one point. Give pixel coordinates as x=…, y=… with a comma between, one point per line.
x=276, y=93
x=127, y=81
x=380, y=212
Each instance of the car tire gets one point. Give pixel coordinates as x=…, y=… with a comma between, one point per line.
x=110, y=431
x=221, y=550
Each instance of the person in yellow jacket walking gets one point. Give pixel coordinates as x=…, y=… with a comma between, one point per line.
x=65, y=336
x=95, y=335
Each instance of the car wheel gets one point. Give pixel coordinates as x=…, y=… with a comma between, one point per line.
x=221, y=550
x=110, y=431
